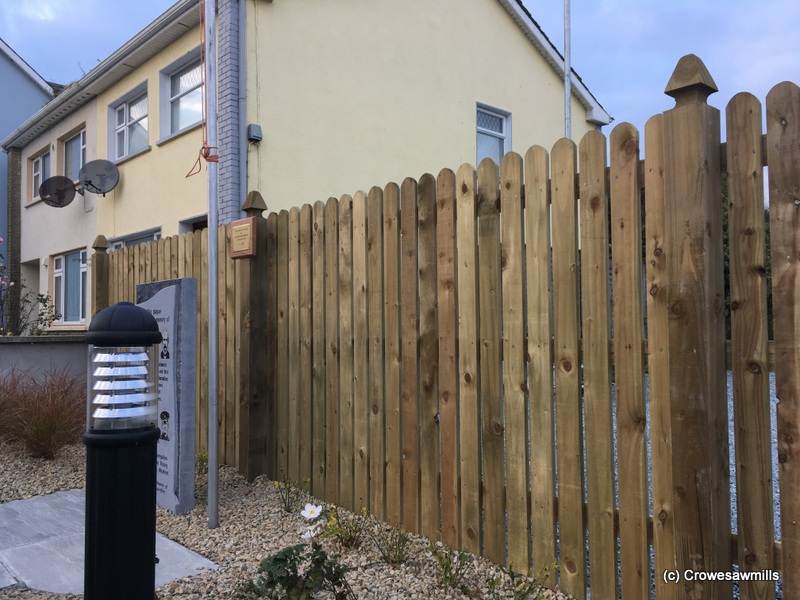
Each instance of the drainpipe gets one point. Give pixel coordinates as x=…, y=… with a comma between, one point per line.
x=213, y=219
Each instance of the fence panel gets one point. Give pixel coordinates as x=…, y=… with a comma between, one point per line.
x=436, y=349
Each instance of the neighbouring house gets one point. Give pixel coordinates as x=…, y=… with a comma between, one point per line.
x=315, y=99
x=30, y=92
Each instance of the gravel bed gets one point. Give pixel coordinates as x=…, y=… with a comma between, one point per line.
x=40, y=476
x=253, y=525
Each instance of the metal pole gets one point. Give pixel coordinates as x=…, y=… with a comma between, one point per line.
x=567, y=73
x=211, y=127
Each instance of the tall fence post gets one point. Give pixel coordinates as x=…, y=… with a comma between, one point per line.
x=695, y=353
x=251, y=370
x=100, y=272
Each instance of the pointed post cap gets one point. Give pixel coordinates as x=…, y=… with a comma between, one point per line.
x=254, y=204
x=100, y=244
x=690, y=81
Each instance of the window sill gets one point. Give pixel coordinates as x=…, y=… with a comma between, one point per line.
x=33, y=202
x=125, y=159
x=179, y=133
x=73, y=326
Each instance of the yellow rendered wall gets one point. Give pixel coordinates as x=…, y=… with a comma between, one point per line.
x=153, y=190
x=351, y=94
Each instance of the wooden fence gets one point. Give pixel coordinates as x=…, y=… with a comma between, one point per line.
x=479, y=356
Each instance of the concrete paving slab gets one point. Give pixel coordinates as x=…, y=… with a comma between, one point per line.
x=42, y=546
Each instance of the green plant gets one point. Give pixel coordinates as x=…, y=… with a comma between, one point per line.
x=298, y=572
x=452, y=566
x=202, y=462
x=528, y=588
x=346, y=531
x=392, y=544
x=43, y=414
x=289, y=495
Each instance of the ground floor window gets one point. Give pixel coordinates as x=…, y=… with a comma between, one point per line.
x=136, y=238
x=69, y=286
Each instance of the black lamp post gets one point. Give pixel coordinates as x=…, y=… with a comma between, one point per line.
x=121, y=439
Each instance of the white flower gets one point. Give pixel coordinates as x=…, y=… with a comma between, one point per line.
x=311, y=512
x=311, y=532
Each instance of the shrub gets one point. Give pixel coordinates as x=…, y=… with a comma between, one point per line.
x=452, y=566
x=346, y=531
x=43, y=414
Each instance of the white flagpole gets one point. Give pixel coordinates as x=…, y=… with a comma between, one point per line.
x=211, y=128
x=567, y=73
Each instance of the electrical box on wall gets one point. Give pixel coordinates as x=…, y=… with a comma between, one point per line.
x=254, y=133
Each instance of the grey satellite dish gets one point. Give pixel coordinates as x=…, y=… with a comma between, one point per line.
x=98, y=177
x=57, y=191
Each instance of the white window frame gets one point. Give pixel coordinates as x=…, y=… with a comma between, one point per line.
x=82, y=147
x=124, y=108
x=36, y=170
x=172, y=99
x=122, y=242
x=505, y=118
x=59, y=280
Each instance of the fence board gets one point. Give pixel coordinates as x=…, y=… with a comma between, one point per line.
x=270, y=342
x=173, y=256
x=467, y=373
x=540, y=366
x=565, y=301
x=409, y=349
x=491, y=417
x=448, y=365
x=658, y=367
x=626, y=239
x=428, y=358
x=318, y=351
x=596, y=368
x=391, y=322
x=282, y=363
x=346, y=352
x=511, y=262
x=748, y=289
x=222, y=328
x=304, y=364
x=361, y=408
x=203, y=335
x=231, y=398
x=783, y=150
x=332, y=350
x=295, y=370
x=375, y=325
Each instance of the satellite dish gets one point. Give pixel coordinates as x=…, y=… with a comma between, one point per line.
x=57, y=191
x=98, y=176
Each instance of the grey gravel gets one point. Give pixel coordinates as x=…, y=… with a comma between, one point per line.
x=253, y=525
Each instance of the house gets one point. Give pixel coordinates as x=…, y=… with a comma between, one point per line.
x=31, y=91
x=314, y=100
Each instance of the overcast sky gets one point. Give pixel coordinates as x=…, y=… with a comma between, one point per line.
x=624, y=49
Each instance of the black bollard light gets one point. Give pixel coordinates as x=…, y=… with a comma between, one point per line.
x=121, y=438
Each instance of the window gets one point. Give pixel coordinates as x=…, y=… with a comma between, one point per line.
x=69, y=286
x=41, y=171
x=74, y=155
x=136, y=239
x=130, y=127
x=493, y=134
x=186, y=97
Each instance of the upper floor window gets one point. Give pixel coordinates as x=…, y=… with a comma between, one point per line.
x=41, y=171
x=493, y=134
x=74, y=155
x=186, y=97
x=69, y=286
x=130, y=126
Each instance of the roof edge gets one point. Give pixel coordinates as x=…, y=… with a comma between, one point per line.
x=77, y=91
x=23, y=65
x=595, y=114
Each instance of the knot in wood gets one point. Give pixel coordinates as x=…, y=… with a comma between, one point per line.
x=497, y=427
x=464, y=188
x=570, y=565
x=566, y=365
x=436, y=418
x=750, y=558
x=754, y=367
x=654, y=290
x=374, y=409
x=468, y=377
x=662, y=515
x=658, y=251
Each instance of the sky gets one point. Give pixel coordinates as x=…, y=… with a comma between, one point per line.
x=625, y=50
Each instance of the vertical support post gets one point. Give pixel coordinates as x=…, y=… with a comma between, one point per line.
x=251, y=298
x=696, y=333
x=100, y=274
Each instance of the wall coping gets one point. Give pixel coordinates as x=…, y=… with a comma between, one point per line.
x=67, y=338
